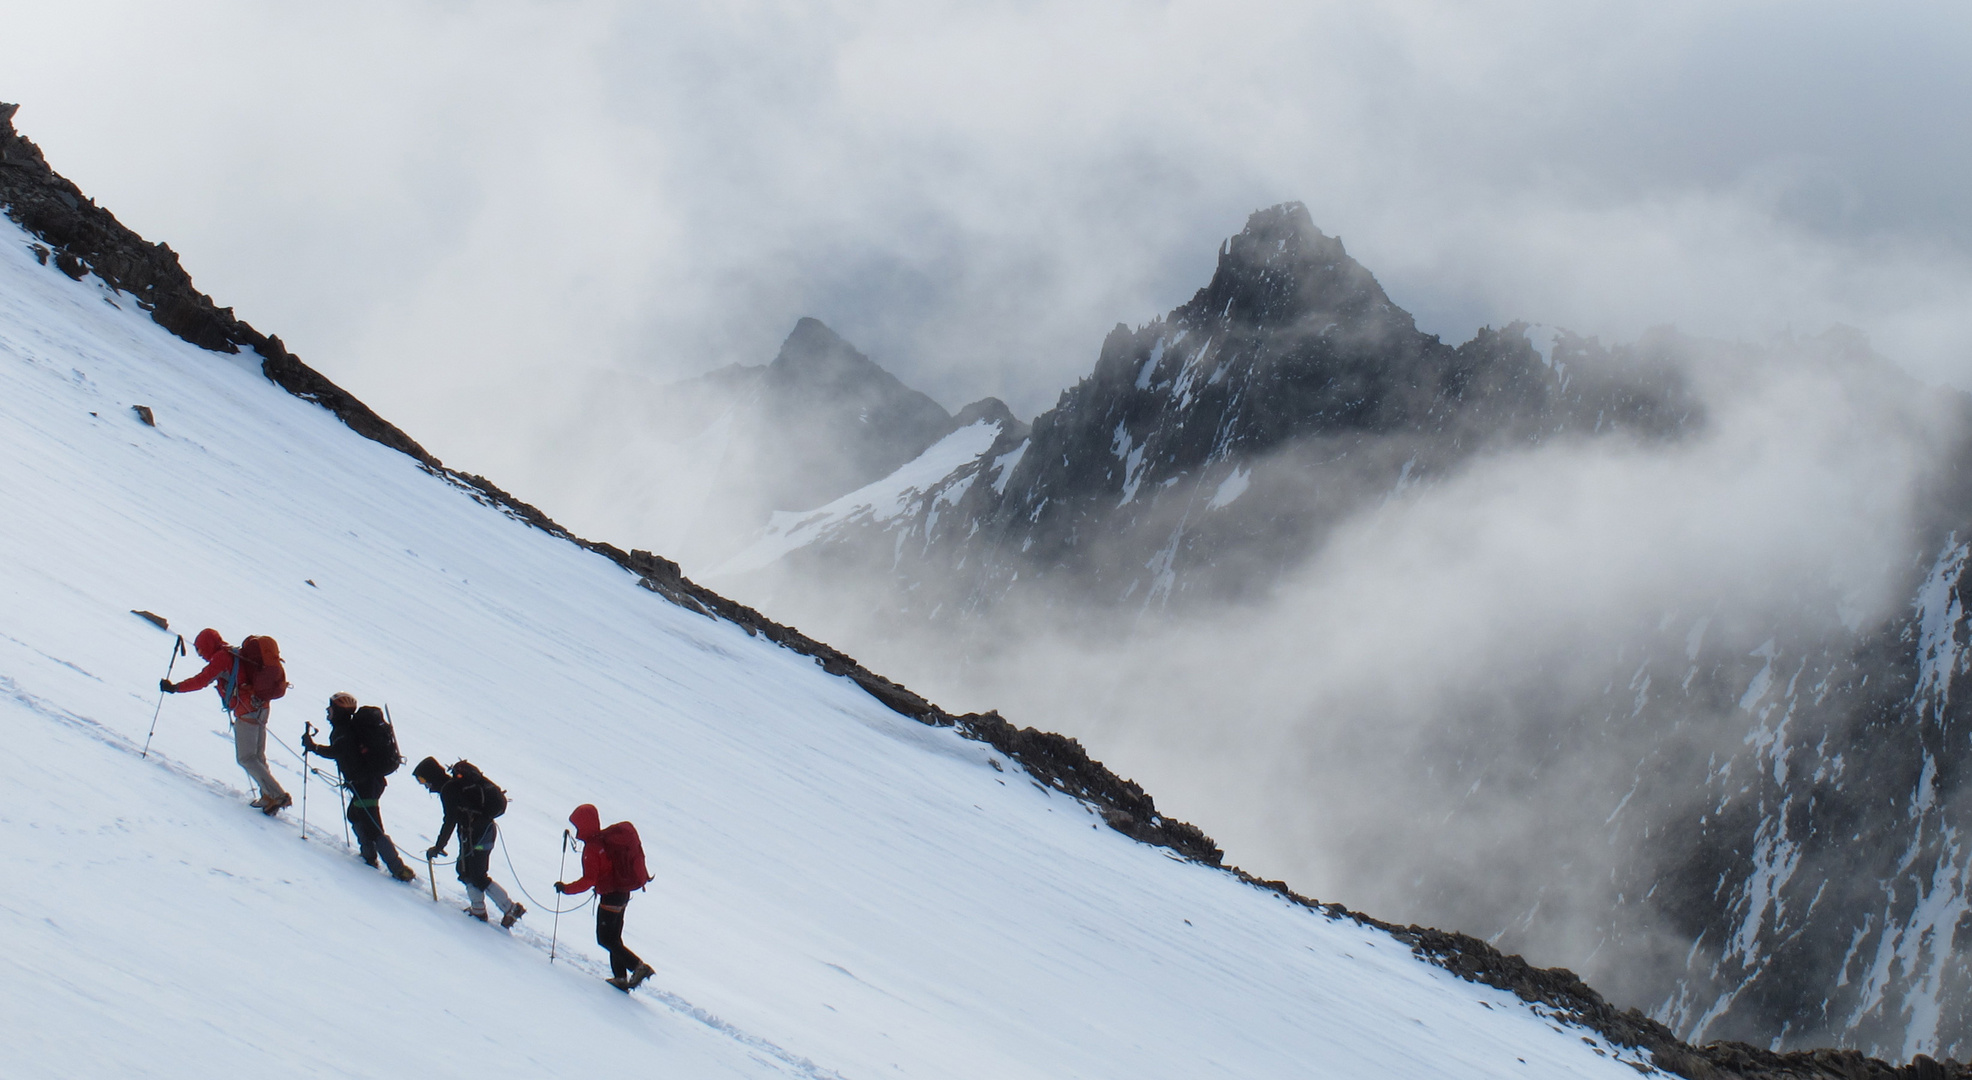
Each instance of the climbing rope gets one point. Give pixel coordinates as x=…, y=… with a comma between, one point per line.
x=523, y=889
x=284, y=745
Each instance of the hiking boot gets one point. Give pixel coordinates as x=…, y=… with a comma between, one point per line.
x=638, y=976
x=621, y=982
x=477, y=913
x=273, y=806
x=512, y=916
x=260, y=802
x=403, y=873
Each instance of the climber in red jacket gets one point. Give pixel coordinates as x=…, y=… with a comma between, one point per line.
x=224, y=664
x=612, y=864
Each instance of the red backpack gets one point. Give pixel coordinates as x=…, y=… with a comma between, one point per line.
x=260, y=668
x=626, y=857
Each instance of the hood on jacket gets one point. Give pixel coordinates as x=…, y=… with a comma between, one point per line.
x=431, y=772
x=588, y=823
x=208, y=644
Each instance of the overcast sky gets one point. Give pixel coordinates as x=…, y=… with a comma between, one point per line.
x=475, y=215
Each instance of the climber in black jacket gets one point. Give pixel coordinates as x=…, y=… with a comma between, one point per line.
x=364, y=750
x=471, y=804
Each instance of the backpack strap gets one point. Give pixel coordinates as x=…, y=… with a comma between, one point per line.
x=231, y=680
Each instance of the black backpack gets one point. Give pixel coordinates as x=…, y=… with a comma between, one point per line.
x=481, y=796
x=378, y=741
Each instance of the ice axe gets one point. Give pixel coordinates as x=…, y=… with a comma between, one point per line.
x=432, y=876
x=177, y=650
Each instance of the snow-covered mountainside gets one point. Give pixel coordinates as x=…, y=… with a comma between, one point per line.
x=1790, y=810
x=841, y=889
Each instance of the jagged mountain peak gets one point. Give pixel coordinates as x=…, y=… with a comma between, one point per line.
x=1281, y=269
x=1291, y=317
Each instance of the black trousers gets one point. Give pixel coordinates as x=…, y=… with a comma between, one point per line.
x=609, y=933
x=366, y=821
x=476, y=854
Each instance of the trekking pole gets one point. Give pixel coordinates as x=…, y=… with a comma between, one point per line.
x=177, y=650
x=342, y=796
x=555, y=939
x=307, y=733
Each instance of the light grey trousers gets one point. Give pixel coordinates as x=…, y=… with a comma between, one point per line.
x=250, y=750
x=477, y=897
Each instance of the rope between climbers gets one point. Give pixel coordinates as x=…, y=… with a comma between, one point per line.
x=523, y=888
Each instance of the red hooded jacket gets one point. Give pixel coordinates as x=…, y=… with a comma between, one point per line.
x=219, y=659
x=601, y=870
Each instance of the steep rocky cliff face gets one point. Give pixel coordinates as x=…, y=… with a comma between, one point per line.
x=1815, y=857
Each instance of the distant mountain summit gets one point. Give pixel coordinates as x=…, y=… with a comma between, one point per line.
x=819, y=421
x=835, y=420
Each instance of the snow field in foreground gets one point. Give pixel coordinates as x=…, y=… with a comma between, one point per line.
x=839, y=890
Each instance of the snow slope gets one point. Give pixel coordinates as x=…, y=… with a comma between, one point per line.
x=839, y=890
x=931, y=473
